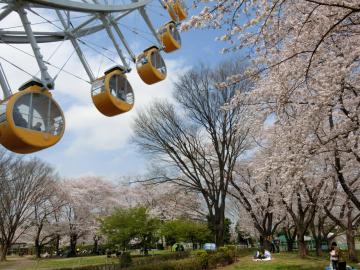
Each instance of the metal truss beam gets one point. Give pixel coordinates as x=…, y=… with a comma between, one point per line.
x=89, y=7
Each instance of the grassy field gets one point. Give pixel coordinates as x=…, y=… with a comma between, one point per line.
x=29, y=263
x=282, y=261
x=26, y=263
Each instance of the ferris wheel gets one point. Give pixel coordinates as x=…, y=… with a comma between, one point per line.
x=30, y=119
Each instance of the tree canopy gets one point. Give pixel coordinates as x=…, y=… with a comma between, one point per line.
x=129, y=224
x=182, y=230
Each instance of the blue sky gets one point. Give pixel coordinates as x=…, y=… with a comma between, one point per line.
x=94, y=144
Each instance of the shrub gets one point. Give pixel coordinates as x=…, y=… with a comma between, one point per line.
x=204, y=260
x=163, y=257
x=93, y=267
x=184, y=264
x=159, y=246
x=199, y=252
x=125, y=259
x=201, y=260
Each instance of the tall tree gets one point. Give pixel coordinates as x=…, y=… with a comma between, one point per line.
x=45, y=227
x=198, y=140
x=22, y=186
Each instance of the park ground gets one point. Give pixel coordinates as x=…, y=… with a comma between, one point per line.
x=283, y=261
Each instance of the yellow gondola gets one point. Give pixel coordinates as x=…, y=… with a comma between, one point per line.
x=151, y=66
x=30, y=120
x=177, y=10
x=112, y=94
x=170, y=37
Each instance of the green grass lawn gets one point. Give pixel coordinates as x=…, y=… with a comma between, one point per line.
x=29, y=263
x=26, y=263
x=282, y=261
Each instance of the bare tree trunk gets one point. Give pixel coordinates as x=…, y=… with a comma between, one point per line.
x=216, y=223
x=57, y=244
x=316, y=228
x=290, y=245
x=290, y=237
x=73, y=241
x=318, y=249
x=219, y=237
x=350, y=240
x=37, y=242
x=303, y=252
x=267, y=245
x=3, y=252
x=37, y=248
x=264, y=242
x=219, y=227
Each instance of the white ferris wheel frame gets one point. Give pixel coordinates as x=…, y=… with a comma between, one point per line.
x=108, y=15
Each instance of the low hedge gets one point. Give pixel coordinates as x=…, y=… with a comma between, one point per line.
x=223, y=256
x=184, y=264
x=200, y=260
x=159, y=258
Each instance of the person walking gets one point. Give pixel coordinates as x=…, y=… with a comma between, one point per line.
x=334, y=256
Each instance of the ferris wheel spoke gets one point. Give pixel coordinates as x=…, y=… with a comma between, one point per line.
x=149, y=24
x=4, y=83
x=7, y=10
x=22, y=38
x=123, y=40
x=89, y=7
x=46, y=79
x=82, y=25
x=76, y=47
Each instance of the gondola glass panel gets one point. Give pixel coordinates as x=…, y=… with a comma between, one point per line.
x=151, y=66
x=170, y=37
x=32, y=121
x=112, y=94
x=177, y=10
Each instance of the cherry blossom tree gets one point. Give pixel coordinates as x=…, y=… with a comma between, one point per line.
x=347, y=217
x=260, y=197
x=87, y=199
x=305, y=67
x=170, y=202
x=288, y=229
x=305, y=61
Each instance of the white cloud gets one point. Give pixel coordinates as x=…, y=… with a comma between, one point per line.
x=91, y=130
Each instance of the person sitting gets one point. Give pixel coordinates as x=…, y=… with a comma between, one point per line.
x=262, y=255
x=19, y=119
x=257, y=255
x=267, y=255
x=37, y=126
